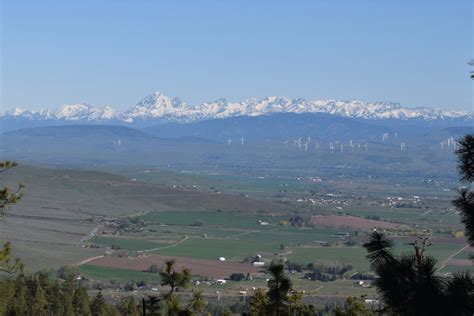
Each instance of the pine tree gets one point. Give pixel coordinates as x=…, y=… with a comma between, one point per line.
x=173, y=278
x=173, y=304
x=56, y=298
x=465, y=200
x=98, y=305
x=353, y=307
x=80, y=302
x=409, y=283
x=258, y=304
x=8, y=198
x=197, y=303
x=40, y=305
x=129, y=307
x=19, y=301
x=278, y=288
x=152, y=306
x=67, y=290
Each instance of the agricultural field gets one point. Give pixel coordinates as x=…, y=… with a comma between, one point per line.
x=118, y=227
x=120, y=275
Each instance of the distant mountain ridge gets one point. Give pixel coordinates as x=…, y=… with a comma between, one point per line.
x=158, y=108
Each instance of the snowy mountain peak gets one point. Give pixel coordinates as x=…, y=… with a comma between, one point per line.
x=159, y=107
x=84, y=112
x=156, y=105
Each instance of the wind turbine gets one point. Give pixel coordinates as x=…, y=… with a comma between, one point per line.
x=331, y=146
x=385, y=137
x=229, y=142
x=402, y=146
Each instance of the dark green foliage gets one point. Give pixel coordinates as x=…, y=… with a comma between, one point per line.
x=409, y=285
x=152, y=305
x=237, y=277
x=379, y=249
x=324, y=273
x=465, y=201
x=297, y=221
x=37, y=294
x=465, y=154
x=174, y=278
x=128, y=306
x=7, y=198
x=353, y=307
x=280, y=299
x=278, y=288
x=80, y=302
x=99, y=306
x=460, y=294
x=153, y=269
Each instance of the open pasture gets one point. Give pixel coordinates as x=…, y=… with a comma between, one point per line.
x=102, y=273
x=231, y=249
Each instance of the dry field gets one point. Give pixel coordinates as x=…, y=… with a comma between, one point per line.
x=202, y=267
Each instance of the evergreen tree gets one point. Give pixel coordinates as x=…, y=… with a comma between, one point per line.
x=296, y=307
x=98, y=305
x=19, y=301
x=152, y=306
x=40, y=305
x=353, y=307
x=409, y=284
x=7, y=198
x=465, y=200
x=173, y=278
x=67, y=290
x=129, y=307
x=258, y=304
x=173, y=304
x=80, y=302
x=278, y=288
x=197, y=303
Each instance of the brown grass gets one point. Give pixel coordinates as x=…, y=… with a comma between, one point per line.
x=202, y=267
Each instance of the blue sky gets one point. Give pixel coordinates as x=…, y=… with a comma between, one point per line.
x=116, y=52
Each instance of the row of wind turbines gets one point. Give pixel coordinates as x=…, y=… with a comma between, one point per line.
x=305, y=144
x=338, y=146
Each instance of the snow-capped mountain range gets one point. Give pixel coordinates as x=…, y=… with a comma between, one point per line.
x=160, y=108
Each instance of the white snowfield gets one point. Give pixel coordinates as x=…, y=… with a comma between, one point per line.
x=159, y=106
